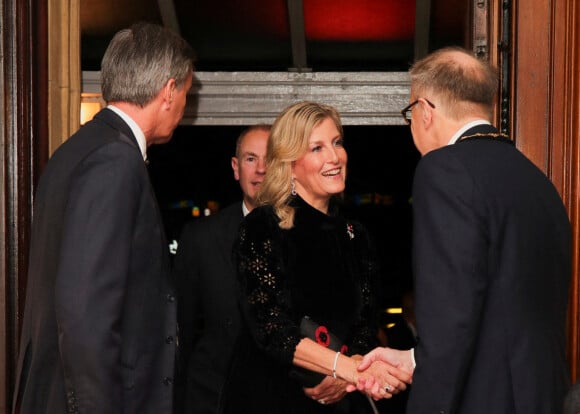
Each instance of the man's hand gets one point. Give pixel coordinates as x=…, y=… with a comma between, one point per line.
x=384, y=372
x=394, y=357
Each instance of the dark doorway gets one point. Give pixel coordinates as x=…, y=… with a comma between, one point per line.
x=192, y=173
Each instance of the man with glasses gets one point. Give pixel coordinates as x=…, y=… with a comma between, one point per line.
x=491, y=255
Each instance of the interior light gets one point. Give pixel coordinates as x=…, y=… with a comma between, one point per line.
x=91, y=103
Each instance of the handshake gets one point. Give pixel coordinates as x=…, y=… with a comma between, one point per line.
x=381, y=373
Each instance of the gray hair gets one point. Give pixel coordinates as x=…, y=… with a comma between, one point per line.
x=140, y=60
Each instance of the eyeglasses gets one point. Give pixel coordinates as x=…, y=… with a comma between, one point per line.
x=406, y=112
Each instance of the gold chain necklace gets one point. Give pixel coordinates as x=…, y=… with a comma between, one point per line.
x=482, y=134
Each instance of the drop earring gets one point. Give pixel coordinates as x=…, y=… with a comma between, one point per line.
x=293, y=187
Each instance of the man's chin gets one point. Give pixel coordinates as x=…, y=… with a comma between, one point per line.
x=162, y=139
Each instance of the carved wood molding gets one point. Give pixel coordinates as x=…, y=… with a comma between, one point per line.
x=246, y=98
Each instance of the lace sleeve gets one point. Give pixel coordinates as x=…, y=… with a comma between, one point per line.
x=264, y=298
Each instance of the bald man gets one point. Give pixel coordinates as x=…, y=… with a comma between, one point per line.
x=491, y=255
x=208, y=315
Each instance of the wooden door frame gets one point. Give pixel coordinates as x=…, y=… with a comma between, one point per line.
x=23, y=139
x=544, y=110
x=546, y=82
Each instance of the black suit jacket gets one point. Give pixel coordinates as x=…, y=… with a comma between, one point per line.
x=100, y=313
x=209, y=319
x=572, y=400
x=492, y=268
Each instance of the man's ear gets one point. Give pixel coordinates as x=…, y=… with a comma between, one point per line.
x=235, y=168
x=426, y=113
x=168, y=91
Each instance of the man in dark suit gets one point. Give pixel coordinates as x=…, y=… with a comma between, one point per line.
x=100, y=314
x=491, y=255
x=572, y=400
x=208, y=315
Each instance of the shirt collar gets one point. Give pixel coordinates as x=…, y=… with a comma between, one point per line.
x=245, y=209
x=465, y=127
x=139, y=135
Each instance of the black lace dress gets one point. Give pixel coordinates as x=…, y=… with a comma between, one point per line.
x=324, y=268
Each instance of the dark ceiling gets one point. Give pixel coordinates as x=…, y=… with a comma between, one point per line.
x=242, y=35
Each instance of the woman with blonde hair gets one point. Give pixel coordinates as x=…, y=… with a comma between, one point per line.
x=305, y=279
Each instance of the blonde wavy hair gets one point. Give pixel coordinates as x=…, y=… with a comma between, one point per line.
x=288, y=142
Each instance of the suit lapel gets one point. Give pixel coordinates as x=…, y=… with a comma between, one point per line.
x=232, y=218
x=126, y=135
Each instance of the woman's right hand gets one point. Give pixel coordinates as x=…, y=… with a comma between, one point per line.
x=384, y=372
x=382, y=380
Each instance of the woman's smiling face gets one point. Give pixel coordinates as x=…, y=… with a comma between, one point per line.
x=321, y=172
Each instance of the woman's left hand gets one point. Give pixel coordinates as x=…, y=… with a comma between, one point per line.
x=329, y=391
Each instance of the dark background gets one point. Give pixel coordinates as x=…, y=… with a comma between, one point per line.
x=193, y=170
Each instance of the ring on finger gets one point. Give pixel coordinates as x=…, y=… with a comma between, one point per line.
x=322, y=401
x=388, y=388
